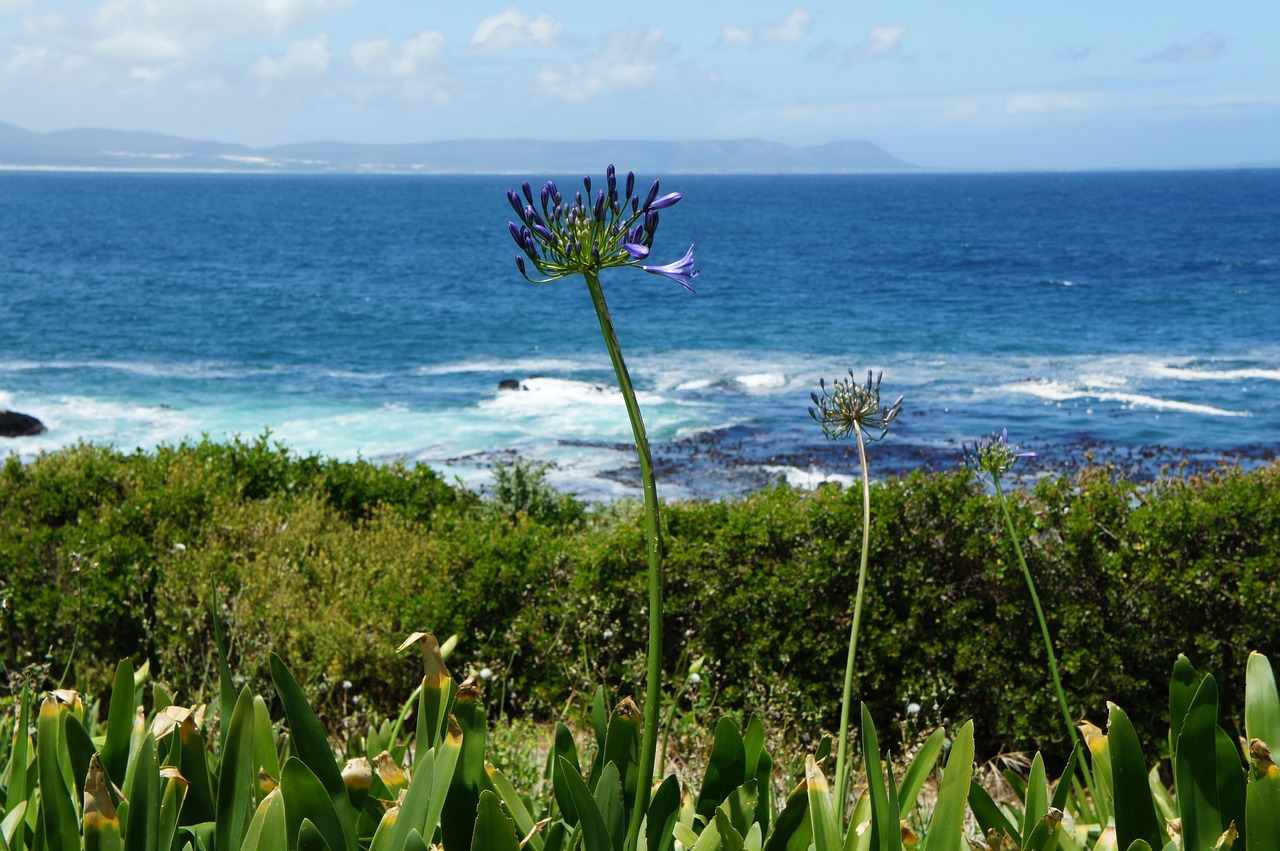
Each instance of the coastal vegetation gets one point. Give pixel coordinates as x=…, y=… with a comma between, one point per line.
x=112, y=555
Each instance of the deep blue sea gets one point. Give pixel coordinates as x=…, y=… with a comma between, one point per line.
x=1132, y=316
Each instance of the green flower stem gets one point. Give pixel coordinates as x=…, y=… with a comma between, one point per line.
x=653, y=535
x=842, y=746
x=1072, y=734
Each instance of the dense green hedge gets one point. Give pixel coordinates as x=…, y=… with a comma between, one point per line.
x=331, y=564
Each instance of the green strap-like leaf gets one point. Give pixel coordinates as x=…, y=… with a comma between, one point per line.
x=822, y=815
x=494, y=831
x=946, y=831
x=1261, y=702
x=885, y=833
x=989, y=815
x=1231, y=784
x=1063, y=790
x=199, y=805
x=172, y=803
x=661, y=816
x=237, y=778
x=469, y=778
x=793, y=831
x=1182, y=689
x=1195, y=769
x=444, y=766
x=1262, y=805
x=1135, y=812
x=265, y=755
x=267, y=829
x=61, y=822
x=726, y=768
x=611, y=803
x=115, y=749
x=311, y=745
x=918, y=771
x=595, y=834
x=515, y=805
x=1036, y=803
x=305, y=798
x=309, y=836
x=142, y=831
x=564, y=748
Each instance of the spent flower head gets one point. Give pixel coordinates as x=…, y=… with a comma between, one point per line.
x=848, y=406
x=584, y=234
x=992, y=454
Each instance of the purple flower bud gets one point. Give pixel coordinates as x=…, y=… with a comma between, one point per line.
x=653, y=193
x=635, y=204
x=599, y=207
x=665, y=201
x=530, y=248
x=544, y=197
x=637, y=250
x=514, y=199
x=631, y=183
x=586, y=181
x=650, y=225
x=551, y=187
x=520, y=265
x=613, y=182
x=595, y=255
x=515, y=234
x=541, y=231
x=528, y=192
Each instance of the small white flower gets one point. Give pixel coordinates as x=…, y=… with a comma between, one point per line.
x=694, y=679
x=608, y=633
x=913, y=709
x=486, y=674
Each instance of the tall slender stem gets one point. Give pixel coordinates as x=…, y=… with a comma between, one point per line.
x=653, y=536
x=842, y=746
x=1072, y=733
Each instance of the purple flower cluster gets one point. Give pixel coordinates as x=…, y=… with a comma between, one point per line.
x=584, y=234
x=993, y=455
x=848, y=407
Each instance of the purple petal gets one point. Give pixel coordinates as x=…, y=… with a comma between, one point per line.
x=636, y=250
x=681, y=271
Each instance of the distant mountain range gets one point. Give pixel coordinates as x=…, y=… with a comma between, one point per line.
x=114, y=150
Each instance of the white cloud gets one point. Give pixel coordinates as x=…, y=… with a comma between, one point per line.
x=792, y=29
x=880, y=42
x=629, y=61
x=116, y=38
x=1206, y=48
x=303, y=58
x=380, y=57
x=512, y=29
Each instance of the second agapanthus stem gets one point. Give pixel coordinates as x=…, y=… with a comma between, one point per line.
x=842, y=746
x=653, y=538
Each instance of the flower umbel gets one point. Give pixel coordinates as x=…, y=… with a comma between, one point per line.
x=583, y=235
x=993, y=455
x=848, y=405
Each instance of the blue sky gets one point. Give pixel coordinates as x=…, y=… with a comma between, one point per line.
x=985, y=85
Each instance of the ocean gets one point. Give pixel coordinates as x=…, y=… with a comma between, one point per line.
x=1128, y=318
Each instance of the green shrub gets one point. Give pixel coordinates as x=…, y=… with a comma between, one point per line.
x=331, y=564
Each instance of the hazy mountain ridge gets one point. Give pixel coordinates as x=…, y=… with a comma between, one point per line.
x=100, y=149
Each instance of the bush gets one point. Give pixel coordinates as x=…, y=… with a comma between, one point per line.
x=331, y=564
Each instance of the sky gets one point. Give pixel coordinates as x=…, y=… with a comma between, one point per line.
x=986, y=85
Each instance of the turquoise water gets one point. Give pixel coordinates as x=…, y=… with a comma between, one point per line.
x=1132, y=315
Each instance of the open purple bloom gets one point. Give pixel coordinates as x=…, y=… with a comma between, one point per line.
x=681, y=271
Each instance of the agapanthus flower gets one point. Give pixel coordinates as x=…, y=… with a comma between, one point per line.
x=848, y=406
x=587, y=233
x=993, y=455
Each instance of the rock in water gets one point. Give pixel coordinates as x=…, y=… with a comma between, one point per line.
x=14, y=424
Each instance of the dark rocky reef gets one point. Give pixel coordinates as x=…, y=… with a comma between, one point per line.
x=15, y=424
